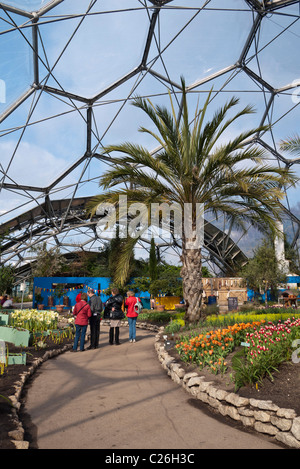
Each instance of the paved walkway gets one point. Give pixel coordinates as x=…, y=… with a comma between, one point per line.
x=119, y=397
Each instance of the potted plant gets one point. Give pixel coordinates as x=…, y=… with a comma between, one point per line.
x=39, y=300
x=58, y=293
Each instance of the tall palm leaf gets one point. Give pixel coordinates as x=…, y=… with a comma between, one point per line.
x=193, y=166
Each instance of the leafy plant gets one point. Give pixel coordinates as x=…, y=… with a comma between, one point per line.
x=263, y=272
x=174, y=326
x=34, y=320
x=7, y=276
x=155, y=316
x=48, y=262
x=59, y=291
x=39, y=298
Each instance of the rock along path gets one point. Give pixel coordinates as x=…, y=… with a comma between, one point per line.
x=119, y=397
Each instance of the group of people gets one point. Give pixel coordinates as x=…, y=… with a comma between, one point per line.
x=88, y=309
x=6, y=302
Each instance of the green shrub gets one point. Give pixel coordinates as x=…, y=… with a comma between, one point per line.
x=174, y=326
x=155, y=316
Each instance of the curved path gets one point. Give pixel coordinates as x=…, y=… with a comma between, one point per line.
x=119, y=397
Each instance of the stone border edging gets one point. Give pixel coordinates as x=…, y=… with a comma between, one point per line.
x=263, y=416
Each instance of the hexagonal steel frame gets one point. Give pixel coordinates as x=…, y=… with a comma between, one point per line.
x=52, y=218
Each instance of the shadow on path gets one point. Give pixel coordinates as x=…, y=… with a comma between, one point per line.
x=120, y=397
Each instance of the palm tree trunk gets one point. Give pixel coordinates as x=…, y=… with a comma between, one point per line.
x=191, y=273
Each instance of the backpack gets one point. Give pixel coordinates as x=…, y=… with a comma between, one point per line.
x=138, y=306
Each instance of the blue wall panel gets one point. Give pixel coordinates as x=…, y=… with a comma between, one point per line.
x=75, y=285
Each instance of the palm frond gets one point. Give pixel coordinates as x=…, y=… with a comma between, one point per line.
x=291, y=144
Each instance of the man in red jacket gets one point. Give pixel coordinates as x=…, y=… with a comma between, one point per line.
x=82, y=312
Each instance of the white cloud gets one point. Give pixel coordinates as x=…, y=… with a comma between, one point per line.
x=31, y=165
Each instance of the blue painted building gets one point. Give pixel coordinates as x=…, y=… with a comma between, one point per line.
x=75, y=285
x=72, y=285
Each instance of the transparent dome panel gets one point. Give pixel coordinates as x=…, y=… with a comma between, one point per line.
x=34, y=157
x=213, y=36
x=16, y=69
x=116, y=118
x=234, y=83
x=13, y=204
x=285, y=118
x=273, y=53
x=87, y=53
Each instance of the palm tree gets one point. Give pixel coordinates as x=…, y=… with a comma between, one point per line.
x=193, y=166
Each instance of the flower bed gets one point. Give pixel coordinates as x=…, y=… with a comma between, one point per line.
x=265, y=346
x=278, y=419
x=211, y=348
x=34, y=320
x=31, y=327
x=268, y=314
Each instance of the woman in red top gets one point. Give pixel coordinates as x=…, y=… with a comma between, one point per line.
x=131, y=314
x=83, y=312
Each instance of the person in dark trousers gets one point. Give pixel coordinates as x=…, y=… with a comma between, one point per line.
x=96, y=309
x=113, y=311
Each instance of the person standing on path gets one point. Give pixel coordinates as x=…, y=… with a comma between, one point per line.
x=113, y=311
x=132, y=314
x=96, y=309
x=82, y=312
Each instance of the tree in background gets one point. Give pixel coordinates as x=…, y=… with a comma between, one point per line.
x=49, y=263
x=7, y=273
x=292, y=255
x=263, y=272
x=7, y=277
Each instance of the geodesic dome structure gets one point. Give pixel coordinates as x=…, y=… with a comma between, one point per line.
x=69, y=70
